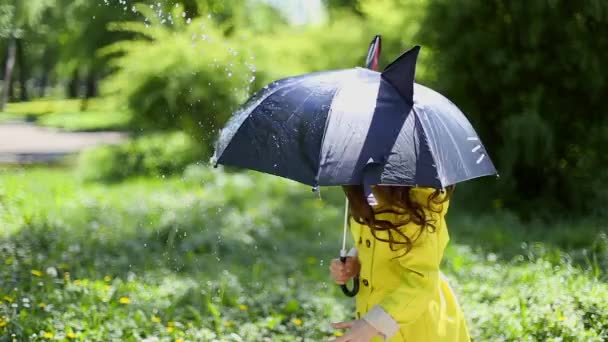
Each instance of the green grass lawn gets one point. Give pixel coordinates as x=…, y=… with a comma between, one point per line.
x=86, y=121
x=243, y=257
x=101, y=114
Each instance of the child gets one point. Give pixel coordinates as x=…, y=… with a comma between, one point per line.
x=399, y=246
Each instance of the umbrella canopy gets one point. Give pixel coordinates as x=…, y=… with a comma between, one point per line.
x=355, y=126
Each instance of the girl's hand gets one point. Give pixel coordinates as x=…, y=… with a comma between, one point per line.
x=342, y=272
x=360, y=331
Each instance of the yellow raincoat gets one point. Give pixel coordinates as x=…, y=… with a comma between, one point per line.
x=410, y=288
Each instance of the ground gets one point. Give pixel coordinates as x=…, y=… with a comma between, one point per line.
x=26, y=142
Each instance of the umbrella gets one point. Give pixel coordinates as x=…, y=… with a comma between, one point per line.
x=355, y=126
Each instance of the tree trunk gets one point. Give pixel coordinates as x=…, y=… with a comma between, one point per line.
x=46, y=70
x=74, y=85
x=44, y=82
x=22, y=71
x=90, y=91
x=8, y=71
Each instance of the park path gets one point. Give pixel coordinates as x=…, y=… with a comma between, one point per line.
x=22, y=142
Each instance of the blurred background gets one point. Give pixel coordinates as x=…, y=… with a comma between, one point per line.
x=113, y=225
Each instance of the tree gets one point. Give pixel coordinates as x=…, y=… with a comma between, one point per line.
x=530, y=75
x=16, y=18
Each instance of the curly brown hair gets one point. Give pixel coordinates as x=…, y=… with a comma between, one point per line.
x=396, y=200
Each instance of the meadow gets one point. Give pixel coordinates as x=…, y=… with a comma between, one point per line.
x=214, y=255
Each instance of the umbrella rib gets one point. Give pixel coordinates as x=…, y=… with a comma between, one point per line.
x=298, y=107
x=429, y=143
x=329, y=112
x=451, y=136
x=247, y=116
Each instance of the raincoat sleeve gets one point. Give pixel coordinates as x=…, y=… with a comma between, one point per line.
x=382, y=321
x=419, y=281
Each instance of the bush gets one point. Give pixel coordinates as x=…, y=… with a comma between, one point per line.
x=155, y=155
x=195, y=80
x=530, y=76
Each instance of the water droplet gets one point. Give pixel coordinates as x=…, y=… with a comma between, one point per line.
x=230, y=74
x=183, y=14
x=188, y=21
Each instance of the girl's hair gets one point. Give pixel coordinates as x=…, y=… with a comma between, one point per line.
x=397, y=200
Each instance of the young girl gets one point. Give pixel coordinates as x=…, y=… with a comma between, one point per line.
x=399, y=246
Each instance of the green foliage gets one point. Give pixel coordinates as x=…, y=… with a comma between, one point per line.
x=211, y=255
x=155, y=155
x=15, y=16
x=195, y=81
x=6, y=20
x=165, y=258
x=529, y=74
x=80, y=28
x=315, y=49
x=530, y=301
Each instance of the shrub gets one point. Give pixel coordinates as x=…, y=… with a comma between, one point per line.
x=530, y=76
x=185, y=76
x=155, y=155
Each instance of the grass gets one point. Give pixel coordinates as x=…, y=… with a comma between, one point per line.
x=100, y=114
x=86, y=121
x=242, y=257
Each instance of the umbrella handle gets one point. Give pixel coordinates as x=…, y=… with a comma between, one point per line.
x=355, y=289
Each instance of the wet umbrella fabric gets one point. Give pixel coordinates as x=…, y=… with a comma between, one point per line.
x=355, y=126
